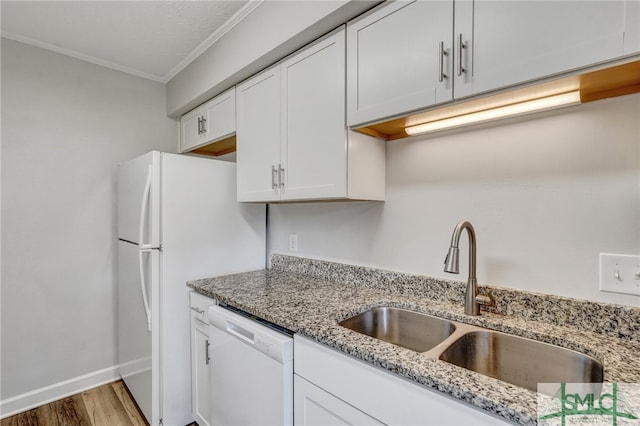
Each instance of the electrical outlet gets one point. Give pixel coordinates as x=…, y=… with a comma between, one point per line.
x=620, y=273
x=293, y=242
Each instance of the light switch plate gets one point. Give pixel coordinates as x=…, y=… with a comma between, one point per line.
x=620, y=273
x=293, y=242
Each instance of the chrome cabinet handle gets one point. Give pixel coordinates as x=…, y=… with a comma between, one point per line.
x=201, y=125
x=277, y=177
x=280, y=176
x=199, y=311
x=274, y=173
x=443, y=53
x=206, y=352
x=461, y=45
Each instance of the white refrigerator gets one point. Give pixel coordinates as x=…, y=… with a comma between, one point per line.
x=178, y=220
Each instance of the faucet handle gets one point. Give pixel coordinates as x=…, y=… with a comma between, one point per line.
x=484, y=300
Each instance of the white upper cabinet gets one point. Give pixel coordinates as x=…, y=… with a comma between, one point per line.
x=396, y=65
x=510, y=42
x=209, y=122
x=292, y=141
x=191, y=134
x=312, y=154
x=632, y=27
x=258, y=137
x=399, y=59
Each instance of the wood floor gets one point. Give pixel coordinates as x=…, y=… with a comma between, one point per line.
x=108, y=405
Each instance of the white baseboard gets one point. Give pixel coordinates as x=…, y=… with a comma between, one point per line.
x=35, y=398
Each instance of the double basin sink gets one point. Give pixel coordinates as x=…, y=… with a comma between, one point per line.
x=517, y=360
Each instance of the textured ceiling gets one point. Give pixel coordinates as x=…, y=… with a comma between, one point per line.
x=152, y=39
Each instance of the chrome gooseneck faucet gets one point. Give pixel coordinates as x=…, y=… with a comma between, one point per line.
x=472, y=300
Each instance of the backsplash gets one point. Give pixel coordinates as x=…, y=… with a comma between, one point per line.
x=608, y=319
x=546, y=195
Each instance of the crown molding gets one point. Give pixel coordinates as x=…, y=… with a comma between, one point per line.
x=219, y=33
x=80, y=56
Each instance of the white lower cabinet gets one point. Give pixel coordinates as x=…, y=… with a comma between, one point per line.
x=200, y=373
x=315, y=407
x=334, y=389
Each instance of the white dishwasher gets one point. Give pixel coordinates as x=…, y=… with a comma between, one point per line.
x=251, y=370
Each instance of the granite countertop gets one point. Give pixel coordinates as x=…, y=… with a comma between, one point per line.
x=310, y=297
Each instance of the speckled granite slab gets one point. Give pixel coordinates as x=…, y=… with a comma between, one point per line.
x=310, y=297
x=609, y=319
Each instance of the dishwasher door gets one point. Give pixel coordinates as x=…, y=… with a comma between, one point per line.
x=251, y=371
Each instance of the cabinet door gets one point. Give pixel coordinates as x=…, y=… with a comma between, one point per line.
x=377, y=393
x=191, y=130
x=200, y=372
x=394, y=59
x=220, y=116
x=510, y=42
x=258, y=136
x=313, y=153
x=315, y=407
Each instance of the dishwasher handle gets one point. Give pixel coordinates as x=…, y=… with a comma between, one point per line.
x=240, y=332
x=273, y=344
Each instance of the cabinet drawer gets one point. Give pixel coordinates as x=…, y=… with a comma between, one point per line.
x=199, y=305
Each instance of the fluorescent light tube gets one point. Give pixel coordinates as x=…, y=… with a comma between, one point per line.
x=520, y=108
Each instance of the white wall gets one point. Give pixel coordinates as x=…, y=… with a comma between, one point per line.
x=65, y=126
x=546, y=195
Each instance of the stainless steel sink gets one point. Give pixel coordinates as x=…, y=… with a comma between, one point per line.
x=520, y=361
x=516, y=360
x=412, y=330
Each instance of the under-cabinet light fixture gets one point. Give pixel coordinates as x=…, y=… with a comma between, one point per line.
x=503, y=111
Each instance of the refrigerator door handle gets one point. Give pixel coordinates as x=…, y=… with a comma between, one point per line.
x=144, y=248
x=143, y=287
x=144, y=208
